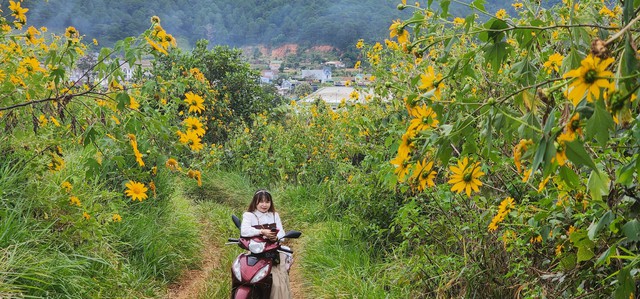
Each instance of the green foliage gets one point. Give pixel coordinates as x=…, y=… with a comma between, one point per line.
x=232, y=89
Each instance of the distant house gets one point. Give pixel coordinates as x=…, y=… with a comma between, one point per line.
x=317, y=75
x=267, y=76
x=336, y=64
x=287, y=87
x=129, y=70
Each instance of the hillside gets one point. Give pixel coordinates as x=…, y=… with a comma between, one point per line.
x=339, y=23
x=234, y=23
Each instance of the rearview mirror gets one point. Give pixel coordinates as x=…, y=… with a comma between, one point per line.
x=236, y=220
x=292, y=234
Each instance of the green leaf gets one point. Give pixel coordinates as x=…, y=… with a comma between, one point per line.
x=89, y=136
x=540, y=151
x=525, y=72
x=444, y=152
x=600, y=123
x=631, y=230
x=123, y=100
x=577, y=154
x=568, y=261
x=92, y=168
x=58, y=75
x=584, y=245
x=551, y=121
x=470, y=147
x=628, y=65
x=626, y=284
x=468, y=22
x=569, y=176
x=444, y=4
x=598, y=185
x=605, y=257
x=417, y=17
x=628, y=12
x=624, y=174
x=604, y=221
x=572, y=60
x=450, y=42
x=479, y=5
x=496, y=54
x=549, y=154
x=494, y=32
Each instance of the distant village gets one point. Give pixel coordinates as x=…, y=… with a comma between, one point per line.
x=300, y=84
x=322, y=82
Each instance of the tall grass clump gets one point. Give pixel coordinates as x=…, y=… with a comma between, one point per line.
x=162, y=239
x=339, y=264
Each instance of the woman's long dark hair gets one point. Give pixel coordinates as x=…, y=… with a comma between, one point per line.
x=261, y=195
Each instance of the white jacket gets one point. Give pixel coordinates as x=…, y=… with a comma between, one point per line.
x=249, y=219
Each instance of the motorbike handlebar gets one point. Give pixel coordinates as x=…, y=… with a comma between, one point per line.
x=285, y=250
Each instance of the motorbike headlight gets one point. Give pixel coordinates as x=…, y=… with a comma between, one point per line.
x=235, y=268
x=256, y=247
x=260, y=274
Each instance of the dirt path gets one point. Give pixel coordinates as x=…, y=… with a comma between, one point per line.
x=192, y=282
x=295, y=274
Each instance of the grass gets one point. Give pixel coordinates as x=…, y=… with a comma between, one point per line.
x=48, y=251
x=339, y=265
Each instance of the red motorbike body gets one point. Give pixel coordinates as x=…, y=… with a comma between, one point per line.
x=254, y=268
x=251, y=271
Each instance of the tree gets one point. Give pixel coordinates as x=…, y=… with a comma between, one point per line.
x=302, y=90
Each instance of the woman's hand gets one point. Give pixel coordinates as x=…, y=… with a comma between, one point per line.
x=272, y=236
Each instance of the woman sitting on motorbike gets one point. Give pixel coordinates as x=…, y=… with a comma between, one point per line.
x=261, y=218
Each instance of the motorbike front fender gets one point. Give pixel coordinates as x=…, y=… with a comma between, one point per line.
x=241, y=292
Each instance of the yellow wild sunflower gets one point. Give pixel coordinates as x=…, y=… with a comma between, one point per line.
x=554, y=63
x=172, y=164
x=194, y=141
x=156, y=46
x=66, y=186
x=116, y=217
x=430, y=81
x=519, y=150
x=18, y=12
x=573, y=126
x=74, y=201
x=407, y=143
x=136, y=190
x=195, y=102
x=397, y=30
x=423, y=175
x=561, y=148
x=425, y=118
x=503, y=210
x=589, y=77
x=194, y=124
x=402, y=167
x=465, y=177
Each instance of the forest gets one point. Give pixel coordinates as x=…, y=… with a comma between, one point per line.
x=234, y=23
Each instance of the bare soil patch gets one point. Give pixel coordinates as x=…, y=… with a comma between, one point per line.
x=192, y=282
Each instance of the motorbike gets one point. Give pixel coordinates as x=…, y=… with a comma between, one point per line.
x=251, y=271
